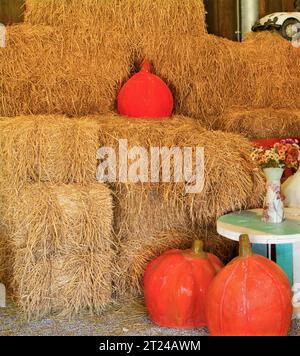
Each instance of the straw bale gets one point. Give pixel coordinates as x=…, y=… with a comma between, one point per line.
x=82, y=281
x=67, y=285
x=136, y=254
x=198, y=69
x=48, y=149
x=209, y=74
x=231, y=181
x=62, y=238
x=46, y=70
x=137, y=18
x=262, y=123
x=47, y=218
x=268, y=69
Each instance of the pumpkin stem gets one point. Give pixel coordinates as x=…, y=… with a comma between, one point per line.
x=146, y=66
x=245, y=246
x=198, y=248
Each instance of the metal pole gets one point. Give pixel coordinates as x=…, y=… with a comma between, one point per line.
x=249, y=14
x=238, y=20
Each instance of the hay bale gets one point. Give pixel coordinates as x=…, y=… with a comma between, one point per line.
x=231, y=181
x=135, y=254
x=209, y=74
x=135, y=18
x=62, y=236
x=46, y=70
x=48, y=149
x=269, y=67
x=262, y=123
x=198, y=69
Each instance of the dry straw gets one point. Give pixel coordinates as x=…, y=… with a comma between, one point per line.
x=58, y=149
x=210, y=74
x=231, y=181
x=144, y=210
x=75, y=72
x=262, y=123
x=197, y=68
x=271, y=66
x=135, y=254
x=137, y=19
x=62, y=238
x=48, y=149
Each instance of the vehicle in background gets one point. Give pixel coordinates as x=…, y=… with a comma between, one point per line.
x=288, y=23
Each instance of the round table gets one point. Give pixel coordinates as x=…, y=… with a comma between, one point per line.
x=286, y=236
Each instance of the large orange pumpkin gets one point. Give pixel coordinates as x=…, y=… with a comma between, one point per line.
x=176, y=284
x=250, y=297
x=146, y=96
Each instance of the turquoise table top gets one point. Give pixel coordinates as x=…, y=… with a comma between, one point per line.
x=250, y=222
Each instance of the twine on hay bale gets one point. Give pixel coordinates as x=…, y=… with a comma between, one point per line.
x=135, y=254
x=135, y=18
x=49, y=149
x=62, y=238
x=262, y=123
x=46, y=70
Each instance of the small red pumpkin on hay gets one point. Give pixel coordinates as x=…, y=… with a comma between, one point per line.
x=145, y=96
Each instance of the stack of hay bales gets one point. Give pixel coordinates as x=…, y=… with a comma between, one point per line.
x=77, y=54
x=62, y=150
x=211, y=78
x=145, y=210
x=57, y=248
x=68, y=60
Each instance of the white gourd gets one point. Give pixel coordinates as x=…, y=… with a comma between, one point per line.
x=291, y=191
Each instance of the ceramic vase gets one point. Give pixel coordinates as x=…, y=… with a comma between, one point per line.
x=291, y=191
x=273, y=205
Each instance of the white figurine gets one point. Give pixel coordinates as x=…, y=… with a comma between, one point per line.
x=2, y=296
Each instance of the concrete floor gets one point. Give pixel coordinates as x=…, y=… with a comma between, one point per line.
x=128, y=320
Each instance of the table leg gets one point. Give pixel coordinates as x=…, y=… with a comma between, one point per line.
x=296, y=288
x=2, y=296
x=260, y=249
x=296, y=258
x=284, y=258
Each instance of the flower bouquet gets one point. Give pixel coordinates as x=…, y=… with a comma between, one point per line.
x=274, y=160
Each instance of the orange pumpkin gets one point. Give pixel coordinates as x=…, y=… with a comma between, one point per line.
x=146, y=96
x=176, y=284
x=250, y=297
